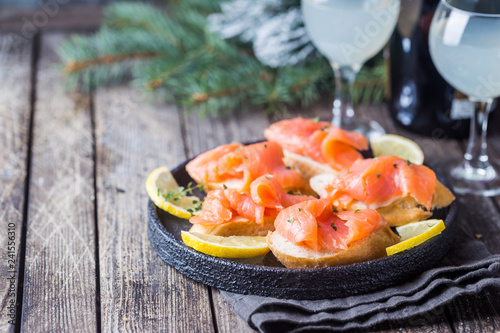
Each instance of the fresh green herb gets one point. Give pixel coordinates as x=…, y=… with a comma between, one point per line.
x=181, y=192
x=357, y=210
x=201, y=186
x=265, y=146
x=333, y=226
x=268, y=177
x=198, y=207
x=319, y=226
x=378, y=175
x=334, y=209
x=190, y=210
x=300, y=209
x=315, y=119
x=288, y=167
x=290, y=220
x=408, y=162
x=395, y=165
x=224, y=186
x=195, y=202
x=290, y=192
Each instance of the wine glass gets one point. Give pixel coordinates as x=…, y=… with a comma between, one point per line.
x=347, y=33
x=464, y=41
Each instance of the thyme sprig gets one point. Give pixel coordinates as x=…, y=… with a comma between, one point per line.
x=182, y=192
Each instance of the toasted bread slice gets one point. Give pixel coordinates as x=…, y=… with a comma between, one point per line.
x=306, y=166
x=235, y=228
x=401, y=211
x=294, y=256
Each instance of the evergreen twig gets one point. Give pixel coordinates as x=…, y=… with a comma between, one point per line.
x=172, y=49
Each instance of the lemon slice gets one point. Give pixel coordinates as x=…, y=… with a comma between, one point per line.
x=158, y=185
x=416, y=233
x=392, y=144
x=226, y=247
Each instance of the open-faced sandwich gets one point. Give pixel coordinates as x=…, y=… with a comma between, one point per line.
x=401, y=191
x=312, y=192
x=229, y=212
x=315, y=147
x=312, y=234
x=236, y=166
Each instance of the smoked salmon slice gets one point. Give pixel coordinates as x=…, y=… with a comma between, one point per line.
x=319, y=141
x=236, y=166
x=316, y=224
x=380, y=181
x=265, y=200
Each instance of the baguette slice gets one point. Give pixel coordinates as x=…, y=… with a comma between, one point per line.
x=306, y=166
x=401, y=211
x=294, y=256
x=241, y=227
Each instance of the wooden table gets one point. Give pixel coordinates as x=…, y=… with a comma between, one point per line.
x=72, y=175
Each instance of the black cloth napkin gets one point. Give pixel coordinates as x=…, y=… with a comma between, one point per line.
x=467, y=269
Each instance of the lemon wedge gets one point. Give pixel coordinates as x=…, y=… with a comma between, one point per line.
x=164, y=191
x=226, y=247
x=415, y=233
x=392, y=144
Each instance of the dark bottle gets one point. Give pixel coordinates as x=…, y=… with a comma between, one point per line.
x=421, y=100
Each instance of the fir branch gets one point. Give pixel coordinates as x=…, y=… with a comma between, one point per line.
x=199, y=70
x=202, y=97
x=74, y=66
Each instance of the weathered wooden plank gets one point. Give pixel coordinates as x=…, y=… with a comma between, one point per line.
x=139, y=292
x=202, y=134
x=25, y=21
x=15, y=88
x=207, y=133
x=477, y=313
x=228, y=321
x=59, y=285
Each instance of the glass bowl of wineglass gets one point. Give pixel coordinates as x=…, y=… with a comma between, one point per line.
x=464, y=42
x=347, y=33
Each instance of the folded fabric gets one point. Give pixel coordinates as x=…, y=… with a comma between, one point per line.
x=468, y=268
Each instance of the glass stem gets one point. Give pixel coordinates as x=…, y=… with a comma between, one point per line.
x=343, y=113
x=476, y=154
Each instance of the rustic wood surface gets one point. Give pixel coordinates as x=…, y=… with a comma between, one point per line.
x=23, y=22
x=139, y=293
x=88, y=265
x=59, y=277
x=15, y=105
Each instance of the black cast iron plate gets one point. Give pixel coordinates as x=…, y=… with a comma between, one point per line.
x=266, y=276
